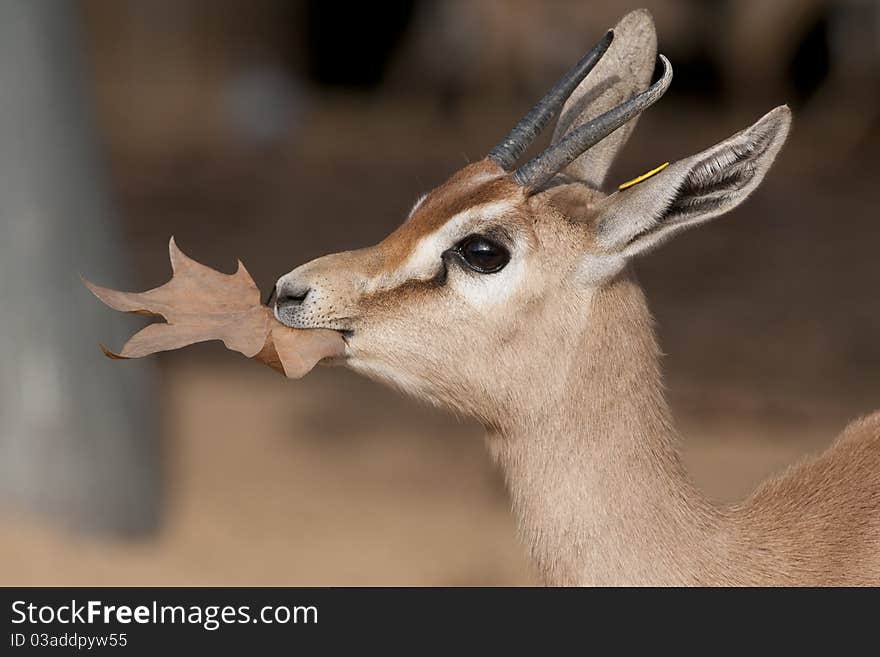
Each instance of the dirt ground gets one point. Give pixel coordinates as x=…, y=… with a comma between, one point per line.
x=768, y=317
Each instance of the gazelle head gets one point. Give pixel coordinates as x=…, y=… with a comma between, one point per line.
x=486, y=287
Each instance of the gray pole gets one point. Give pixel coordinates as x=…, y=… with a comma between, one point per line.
x=78, y=438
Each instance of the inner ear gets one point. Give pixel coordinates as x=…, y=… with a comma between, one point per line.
x=692, y=190
x=712, y=181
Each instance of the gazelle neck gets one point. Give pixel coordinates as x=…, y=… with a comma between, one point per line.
x=596, y=482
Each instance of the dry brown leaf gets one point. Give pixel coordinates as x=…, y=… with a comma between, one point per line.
x=200, y=303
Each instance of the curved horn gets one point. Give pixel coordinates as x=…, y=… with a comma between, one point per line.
x=534, y=173
x=506, y=153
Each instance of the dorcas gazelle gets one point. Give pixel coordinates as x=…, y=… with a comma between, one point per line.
x=507, y=295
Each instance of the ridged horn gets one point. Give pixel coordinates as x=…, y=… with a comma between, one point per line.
x=534, y=173
x=508, y=151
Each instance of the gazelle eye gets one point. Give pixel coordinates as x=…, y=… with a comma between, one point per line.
x=482, y=254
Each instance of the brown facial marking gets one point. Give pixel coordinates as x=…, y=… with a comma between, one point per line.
x=408, y=291
x=476, y=184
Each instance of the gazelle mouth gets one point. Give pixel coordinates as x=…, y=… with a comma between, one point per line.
x=343, y=333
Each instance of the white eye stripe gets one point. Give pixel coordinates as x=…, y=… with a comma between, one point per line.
x=428, y=249
x=423, y=261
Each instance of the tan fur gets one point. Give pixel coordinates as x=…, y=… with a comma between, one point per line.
x=821, y=518
x=555, y=354
x=474, y=185
x=602, y=498
x=566, y=379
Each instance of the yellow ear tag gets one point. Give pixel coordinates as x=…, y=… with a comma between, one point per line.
x=643, y=177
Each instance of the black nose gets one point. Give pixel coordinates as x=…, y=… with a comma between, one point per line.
x=288, y=296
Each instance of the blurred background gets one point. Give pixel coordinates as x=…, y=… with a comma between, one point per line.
x=277, y=131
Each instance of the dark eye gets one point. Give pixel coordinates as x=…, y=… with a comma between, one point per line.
x=482, y=254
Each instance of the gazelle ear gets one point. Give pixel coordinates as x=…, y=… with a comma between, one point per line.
x=692, y=190
x=623, y=71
